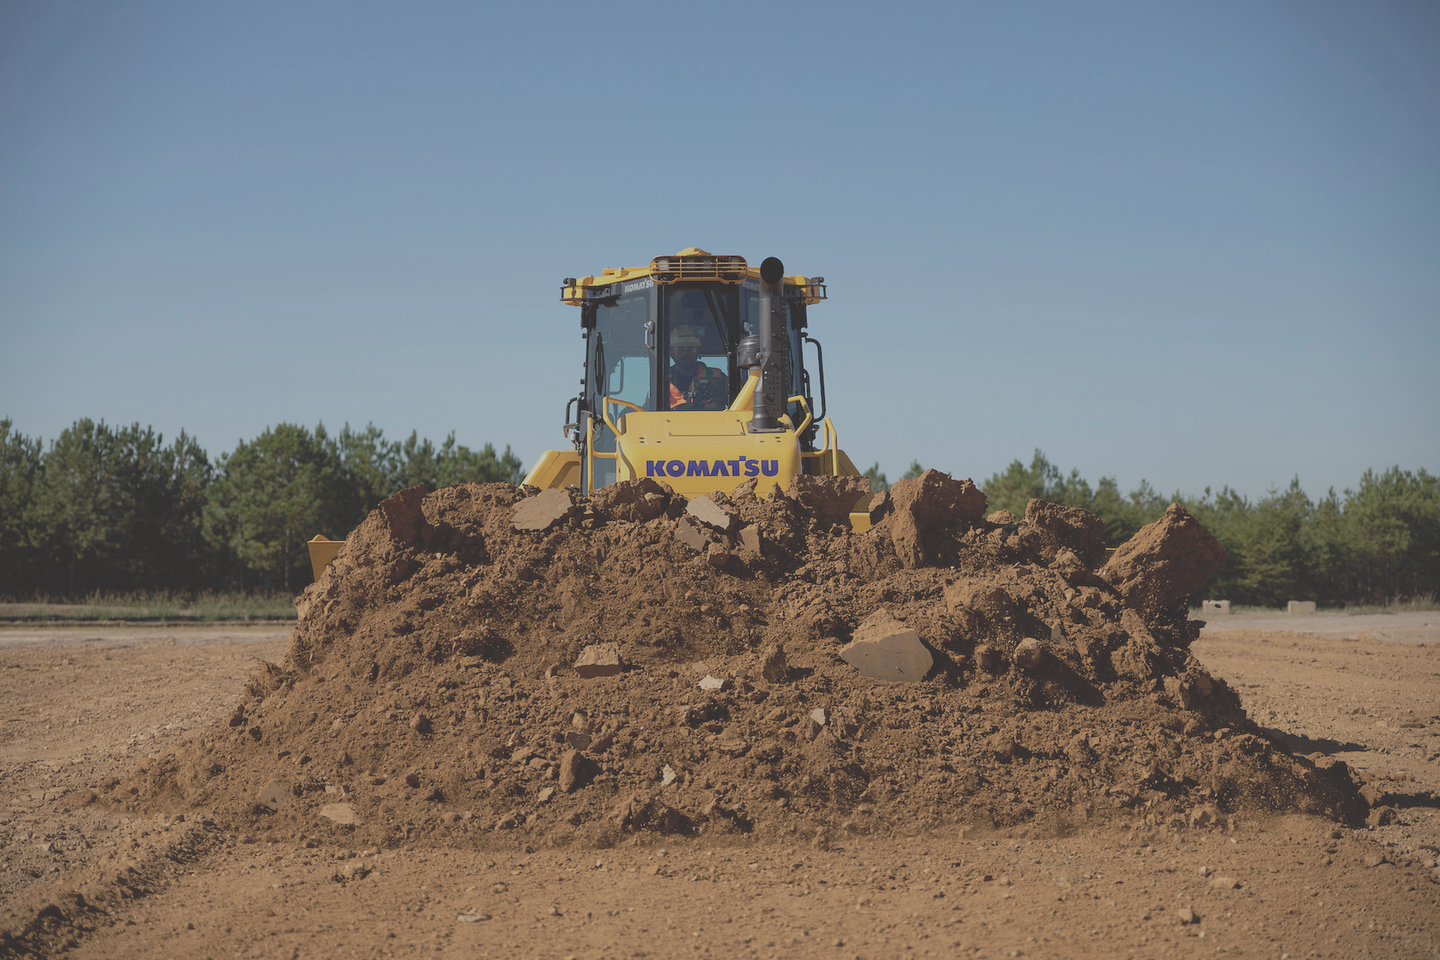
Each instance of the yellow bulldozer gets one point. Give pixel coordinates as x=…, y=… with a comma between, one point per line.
x=695, y=376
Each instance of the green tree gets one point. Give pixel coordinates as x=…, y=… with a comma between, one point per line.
x=371, y=466
x=420, y=461
x=271, y=496
x=877, y=479
x=118, y=509
x=1020, y=484
x=74, y=502
x=19, y=465
x=914, y=471
x=1394, y=531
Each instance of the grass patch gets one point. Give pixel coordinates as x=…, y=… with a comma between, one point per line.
x=200, y=608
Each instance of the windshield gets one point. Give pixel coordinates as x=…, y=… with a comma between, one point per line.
x=701, y=370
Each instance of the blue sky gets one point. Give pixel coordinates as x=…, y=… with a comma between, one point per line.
x=1194, y=243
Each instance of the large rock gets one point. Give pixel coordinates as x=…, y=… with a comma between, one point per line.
x=705, y=510
x=1164, y=563
x=885, y=649
x=692, y=535
x=576, y=770
x=933, y=499
x=599, y=660
x=544, y=511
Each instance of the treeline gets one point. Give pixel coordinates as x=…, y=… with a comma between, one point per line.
x=1376, y=544
x=117, y=509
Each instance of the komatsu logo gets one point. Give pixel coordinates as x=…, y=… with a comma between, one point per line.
x=740, y=467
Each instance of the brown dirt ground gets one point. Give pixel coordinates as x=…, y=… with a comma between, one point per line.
x=83, y=704
x=419, y=769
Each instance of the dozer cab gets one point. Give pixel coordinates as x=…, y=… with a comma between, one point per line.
x=695, y=376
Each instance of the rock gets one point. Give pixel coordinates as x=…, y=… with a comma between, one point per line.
x=773, y=665
x=1003, y=747
x=717, y=556
x=885, y=649
x=980, y=607
x=712, y=684
x=544, y=511
x=750, y=541
x=420, y=723
x=473, y=917
x=1058, y=528
x=1078, y=750
x=238, y=717
x=1164, y=563
x=545, y=794
x=1375, y=859
x=633, y=500
x=1381, y=816
x=647, y=813
x=1187, y=916
x=818, y=715
x=705, y=510
x=989, y=659
x=599, y=660
x=576, y=740
x=933, y=499
x=338, y=812
x=667, y=775
x=576, y=770
x=1029, y=654
x=276, y=794
x=412, y=780
x=829, y=499
x=692, y=536
x=1225, y=883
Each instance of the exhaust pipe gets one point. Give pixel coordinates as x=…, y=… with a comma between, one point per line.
x=769, y=352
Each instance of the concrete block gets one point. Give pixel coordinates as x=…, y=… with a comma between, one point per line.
x=1215, y=608
x=885, y=649
x=692, y=536
x=542, y=512
x=599, y=660
x=1300, y=608
x=711, y=514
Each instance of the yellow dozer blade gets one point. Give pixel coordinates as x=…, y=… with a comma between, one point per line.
x=322, y=551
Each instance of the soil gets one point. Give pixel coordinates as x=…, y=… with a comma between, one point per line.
x=419, y=769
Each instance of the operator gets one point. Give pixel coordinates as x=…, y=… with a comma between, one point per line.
x=693, y=385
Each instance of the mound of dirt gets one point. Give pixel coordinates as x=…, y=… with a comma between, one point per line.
x=489, y=660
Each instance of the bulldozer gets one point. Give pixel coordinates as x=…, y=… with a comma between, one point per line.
x=695, y=376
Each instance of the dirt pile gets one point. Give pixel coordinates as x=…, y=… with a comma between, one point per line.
x=430, y=692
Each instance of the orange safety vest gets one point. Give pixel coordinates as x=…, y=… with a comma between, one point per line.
x=677, y=396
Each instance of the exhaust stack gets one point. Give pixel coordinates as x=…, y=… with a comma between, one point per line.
x=769, y=353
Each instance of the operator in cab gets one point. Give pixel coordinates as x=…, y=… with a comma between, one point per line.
x=693, y=384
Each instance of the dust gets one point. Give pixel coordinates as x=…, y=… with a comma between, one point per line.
x=429, y=694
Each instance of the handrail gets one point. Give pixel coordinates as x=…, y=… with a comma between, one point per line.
x=832, y=447
x=589, y=456
x=605, y=411
x=808, y=417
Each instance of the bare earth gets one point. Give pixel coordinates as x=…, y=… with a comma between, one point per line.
x=87, y=704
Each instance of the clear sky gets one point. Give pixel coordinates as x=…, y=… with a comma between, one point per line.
x=1196, y=243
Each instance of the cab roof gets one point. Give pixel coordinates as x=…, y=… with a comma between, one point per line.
x=690, y=264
